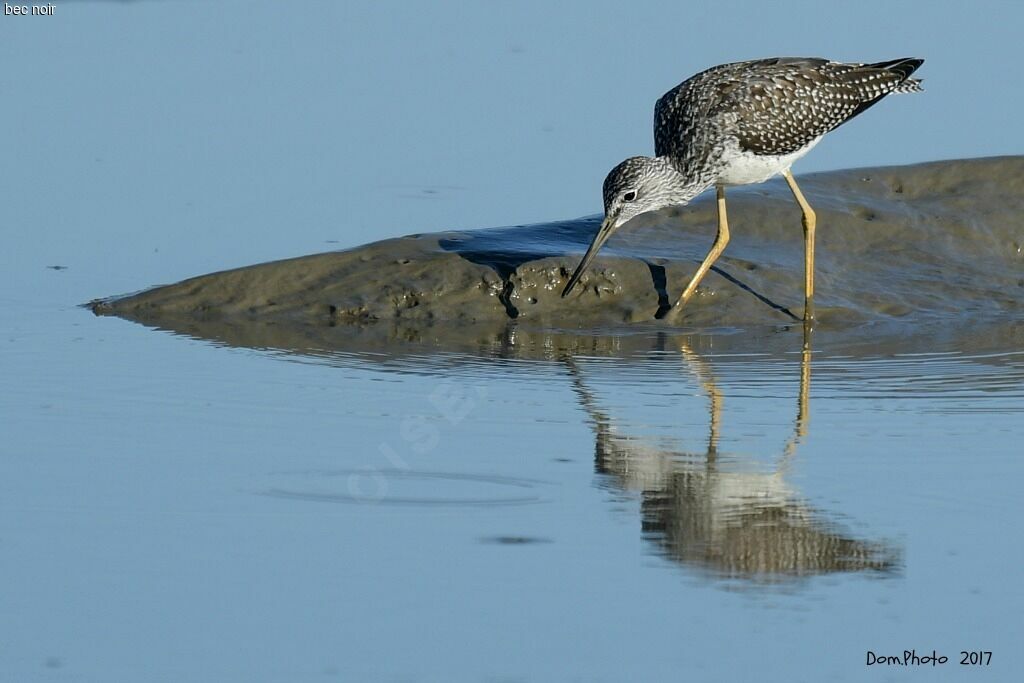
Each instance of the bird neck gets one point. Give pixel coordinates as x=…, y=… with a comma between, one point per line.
x=687, y=182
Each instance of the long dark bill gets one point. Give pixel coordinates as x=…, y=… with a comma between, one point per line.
x=605, y=231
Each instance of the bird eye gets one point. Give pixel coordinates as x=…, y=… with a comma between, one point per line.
x=629, y=196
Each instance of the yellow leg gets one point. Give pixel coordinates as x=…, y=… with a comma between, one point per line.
x=702, y=371
x=803, y=401
x=717, y=248
x=809, y=221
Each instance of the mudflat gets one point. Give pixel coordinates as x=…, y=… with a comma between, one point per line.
x=908, y=243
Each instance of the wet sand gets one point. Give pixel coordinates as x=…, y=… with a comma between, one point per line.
x=909, y=243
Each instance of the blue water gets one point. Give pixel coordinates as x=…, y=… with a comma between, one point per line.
x=176, y=509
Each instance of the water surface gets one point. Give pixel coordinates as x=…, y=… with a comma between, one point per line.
x=508, y=504
x=613, y=507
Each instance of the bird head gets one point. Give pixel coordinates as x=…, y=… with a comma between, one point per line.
x=637, y=185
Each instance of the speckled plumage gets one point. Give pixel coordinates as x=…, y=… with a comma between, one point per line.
x=767, y=107
x=738, y=124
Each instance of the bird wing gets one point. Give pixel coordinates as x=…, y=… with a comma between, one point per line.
x=783, y=107
x=775, y=106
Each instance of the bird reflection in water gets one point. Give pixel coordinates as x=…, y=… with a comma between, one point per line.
x=733, y=524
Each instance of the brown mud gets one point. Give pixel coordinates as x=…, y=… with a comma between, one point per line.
x=921, y=243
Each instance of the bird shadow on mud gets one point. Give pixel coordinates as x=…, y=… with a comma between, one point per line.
x=504, y=250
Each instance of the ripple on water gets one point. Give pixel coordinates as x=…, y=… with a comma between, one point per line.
x=417, y=488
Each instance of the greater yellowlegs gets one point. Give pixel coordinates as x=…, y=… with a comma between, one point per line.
x=738, y=124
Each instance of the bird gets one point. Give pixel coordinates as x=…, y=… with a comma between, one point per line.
x=739, y=124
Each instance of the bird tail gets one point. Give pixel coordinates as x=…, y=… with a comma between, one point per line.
x=909, y=85
x=903, y=67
